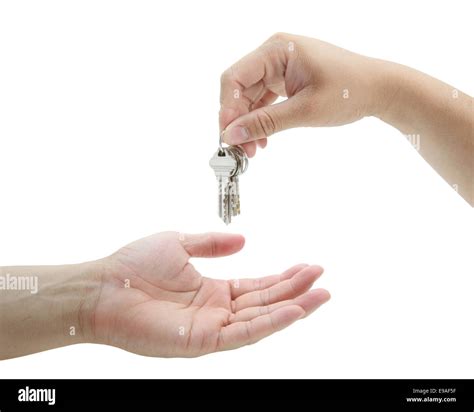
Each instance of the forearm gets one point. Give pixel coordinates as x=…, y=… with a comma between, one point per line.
x=44, y=307
x=437, y=118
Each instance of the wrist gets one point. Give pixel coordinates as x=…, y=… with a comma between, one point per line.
x=400, y=94
x=386, y=88
x=88, y=291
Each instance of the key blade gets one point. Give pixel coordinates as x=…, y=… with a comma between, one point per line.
x=220, y=198
x=226, y=202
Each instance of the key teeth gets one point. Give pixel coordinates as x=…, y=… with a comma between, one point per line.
x=228, y=168
x=226, y=216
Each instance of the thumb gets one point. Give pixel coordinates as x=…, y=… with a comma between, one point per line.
x=211, y=244
x=265, y=121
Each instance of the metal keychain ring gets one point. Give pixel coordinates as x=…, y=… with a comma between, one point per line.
x=221, y=149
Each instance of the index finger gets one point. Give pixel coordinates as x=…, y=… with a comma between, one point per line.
x=252, y=74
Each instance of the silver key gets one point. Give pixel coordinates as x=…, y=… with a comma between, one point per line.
x=225, y=166
x=234, y=196
x=228, y=163
x=241, y=159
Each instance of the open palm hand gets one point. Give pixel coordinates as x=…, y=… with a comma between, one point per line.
x=154, y=302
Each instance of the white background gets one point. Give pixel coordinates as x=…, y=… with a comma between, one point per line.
x=108, y=118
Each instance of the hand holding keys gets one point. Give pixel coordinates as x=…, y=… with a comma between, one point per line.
x=228, y=164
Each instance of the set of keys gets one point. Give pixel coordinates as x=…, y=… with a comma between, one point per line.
x=228, y=164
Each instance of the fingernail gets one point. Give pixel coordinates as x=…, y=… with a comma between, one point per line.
x=237, y=135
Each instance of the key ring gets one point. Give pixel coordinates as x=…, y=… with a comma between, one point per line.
x=221, y=149
x=220, y=140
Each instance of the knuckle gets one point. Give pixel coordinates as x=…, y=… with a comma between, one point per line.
x=292, y=287
x=257, y=284
x=226, y=76
x=211, y=241
x=279, y=37
x=265, y=297
x=267, y=121
x=248, y=332
x=273, y=327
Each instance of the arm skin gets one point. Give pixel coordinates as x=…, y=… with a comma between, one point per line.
x=34, y=322
x=148, y=298
x=330, y=86
x=442, y=116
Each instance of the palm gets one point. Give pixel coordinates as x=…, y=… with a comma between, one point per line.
x=154, y=302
